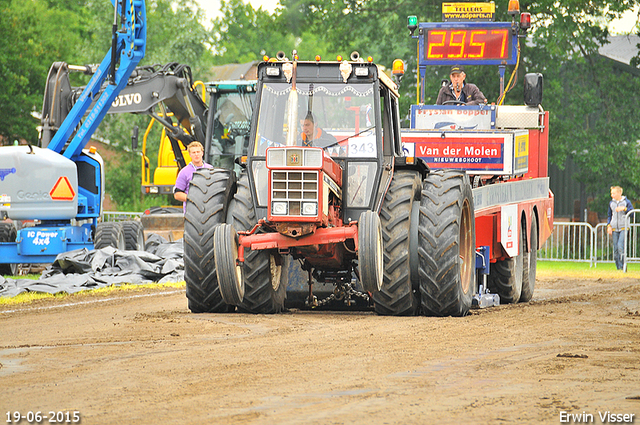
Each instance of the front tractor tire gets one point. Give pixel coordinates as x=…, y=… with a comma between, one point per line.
x=446, y=244
x=230, y=276
x=209, y=193
x=264, y=272
x=397, y=296
x=370, y=252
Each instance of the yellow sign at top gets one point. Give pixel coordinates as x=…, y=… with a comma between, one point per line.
x=458, y=12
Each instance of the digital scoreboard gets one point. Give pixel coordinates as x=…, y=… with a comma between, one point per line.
x=483, y=43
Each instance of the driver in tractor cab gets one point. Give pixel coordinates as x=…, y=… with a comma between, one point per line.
x=459, y=92
x=313, y=135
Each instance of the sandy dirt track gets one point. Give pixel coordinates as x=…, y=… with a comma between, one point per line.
x=145, y=359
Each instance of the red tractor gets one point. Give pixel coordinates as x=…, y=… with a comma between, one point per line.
x=343, y=201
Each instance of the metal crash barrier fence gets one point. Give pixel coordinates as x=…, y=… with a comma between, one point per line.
x=581, y=242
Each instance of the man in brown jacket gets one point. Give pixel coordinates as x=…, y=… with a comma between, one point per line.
x=459, y=91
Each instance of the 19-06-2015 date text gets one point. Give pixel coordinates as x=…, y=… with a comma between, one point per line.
x=51, y=417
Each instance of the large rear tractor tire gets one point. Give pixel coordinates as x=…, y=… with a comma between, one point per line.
x=8, y=233
x=530, y=264
x=446, y=244
x=209, y=193
x=265, y=272
x=110, y=234
x=230, y=276
x=505, y=277
x=370, y=251
x=133, y=235
x=397, y=296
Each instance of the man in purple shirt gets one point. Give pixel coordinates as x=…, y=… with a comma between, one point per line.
x=181, y=189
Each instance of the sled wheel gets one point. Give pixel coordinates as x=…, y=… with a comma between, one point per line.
x=505, y=276
x=530, y=264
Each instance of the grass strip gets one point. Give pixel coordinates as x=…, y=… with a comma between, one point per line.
x=30, y=297
x=575, y=270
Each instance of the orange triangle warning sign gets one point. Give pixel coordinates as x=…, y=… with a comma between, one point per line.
x=62, y=190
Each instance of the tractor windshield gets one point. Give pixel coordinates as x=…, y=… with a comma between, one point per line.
x=336, y=117
x=231, y=128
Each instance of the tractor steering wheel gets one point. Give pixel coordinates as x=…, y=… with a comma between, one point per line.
x=454, y=102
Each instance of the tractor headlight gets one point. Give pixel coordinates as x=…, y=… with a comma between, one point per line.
x=313, y=158
x=310, y=208
x=276, y=157
x=279, y=208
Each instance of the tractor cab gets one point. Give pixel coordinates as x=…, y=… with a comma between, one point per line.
x=348, y=110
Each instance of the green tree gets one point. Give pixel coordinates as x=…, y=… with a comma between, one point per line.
x=244, y=34
x=594, y=118
x=176, y=33
x=33, y=35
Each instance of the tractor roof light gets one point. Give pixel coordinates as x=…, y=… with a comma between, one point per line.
x=369, y=59
x=398, y=67
x=273, y=71
x=318, y=58
x=361, y=72
x=525, y=21
x=514, y=7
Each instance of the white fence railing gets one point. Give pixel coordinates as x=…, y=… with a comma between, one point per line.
x=119, y=215
x=579, y=242
x=584, y=243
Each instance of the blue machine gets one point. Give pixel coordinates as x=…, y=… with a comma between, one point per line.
x=51, y=198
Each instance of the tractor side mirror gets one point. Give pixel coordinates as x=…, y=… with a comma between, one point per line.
x=533, y=89
x=134, y=138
